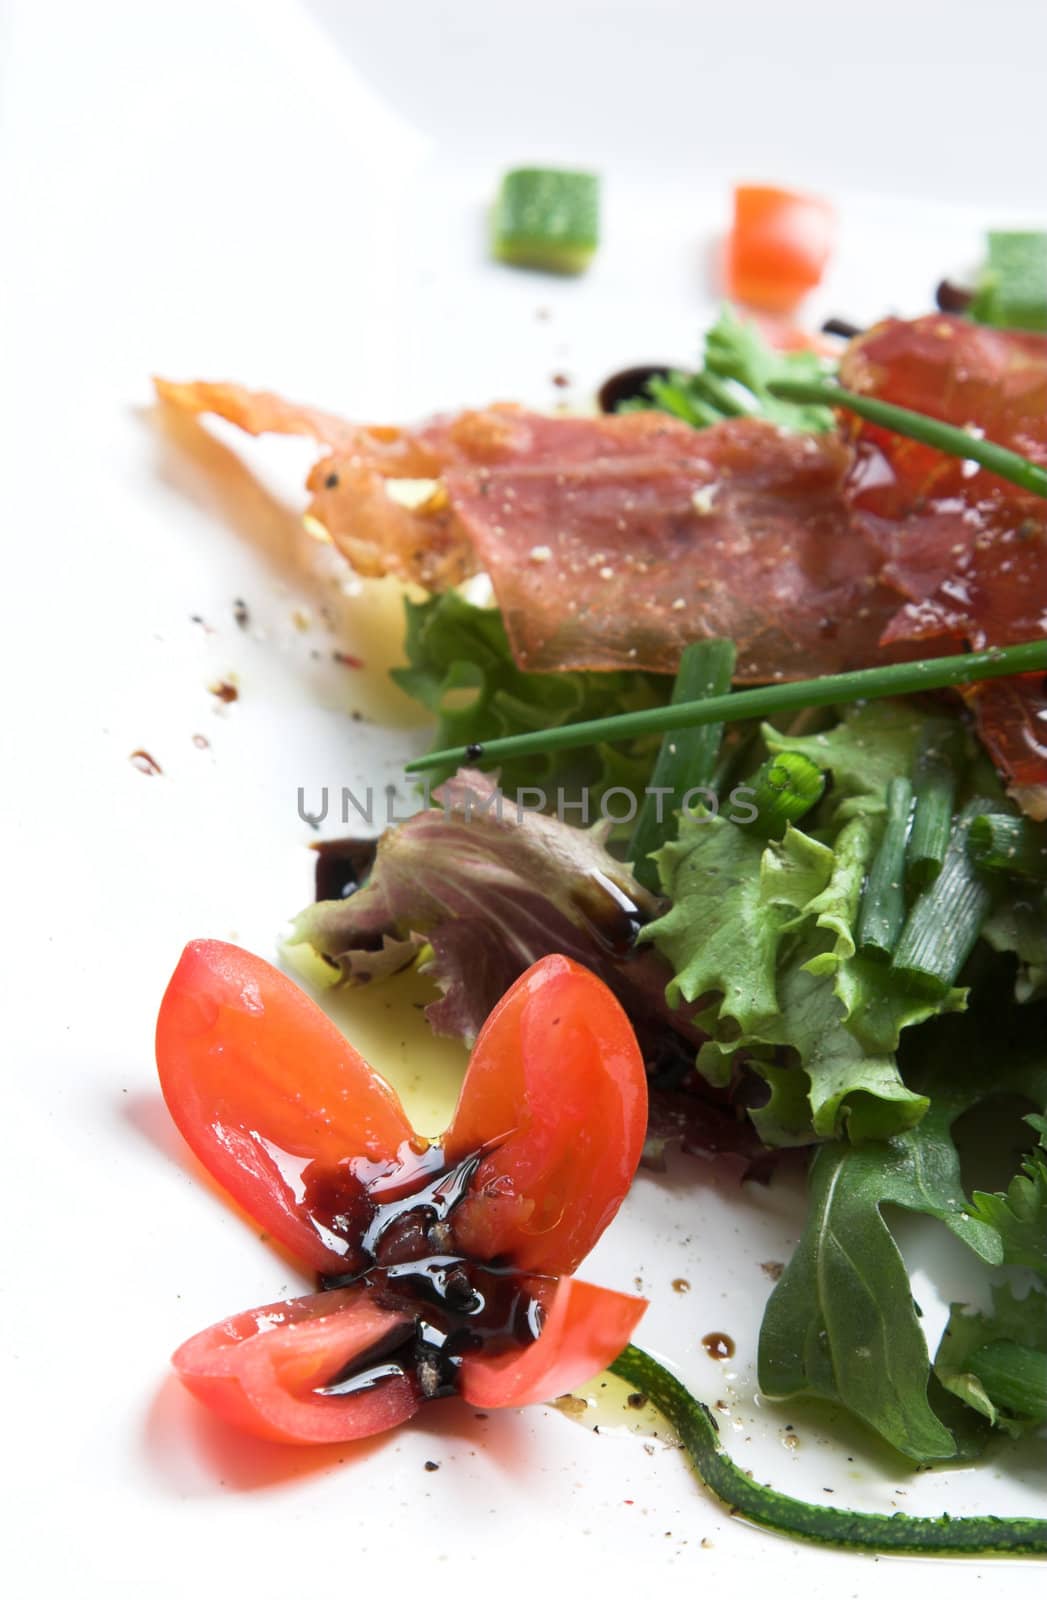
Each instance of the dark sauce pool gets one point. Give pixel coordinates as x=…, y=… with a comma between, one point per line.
x=406, y=1259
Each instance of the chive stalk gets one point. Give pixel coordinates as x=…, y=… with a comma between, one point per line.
x=945, y=922
x=687, y=758
x=882, y=914
x=871, y=683
x=952, y=441
x=1009, y=844
x=829, y=1525
x=934, y=790
x=784, y=789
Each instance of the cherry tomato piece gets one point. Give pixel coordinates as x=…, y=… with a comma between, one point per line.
x=585, y=1328
x=557, y=1078
x=778, y=247
x=269, y=1094
x=260, y=1370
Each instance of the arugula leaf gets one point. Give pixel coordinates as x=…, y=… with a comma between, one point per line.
x=460, y=668
x=737, y=367
x=1020, y=1214
x=841, y=1323
x=996, y=1362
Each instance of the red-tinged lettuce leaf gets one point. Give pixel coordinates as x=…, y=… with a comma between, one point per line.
x=481, y=890
x=690, y=1118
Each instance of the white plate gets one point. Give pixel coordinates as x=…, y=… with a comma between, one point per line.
x=216, y=190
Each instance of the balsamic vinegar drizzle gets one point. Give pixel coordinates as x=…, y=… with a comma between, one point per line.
x=457, y=1306
x=342, y=866
x=629, y=384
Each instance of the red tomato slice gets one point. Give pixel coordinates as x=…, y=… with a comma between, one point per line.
x=585, y=1328
x=557, y=1077
x=271, y=1097
x=778, y=248
x=259, y=1370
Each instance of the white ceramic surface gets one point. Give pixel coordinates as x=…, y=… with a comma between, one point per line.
x=296, y=199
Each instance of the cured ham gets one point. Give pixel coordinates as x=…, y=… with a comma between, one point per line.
x=966, y=551
x=742, y=531
x=421, y=540
x=614, y=541
x=610, y=541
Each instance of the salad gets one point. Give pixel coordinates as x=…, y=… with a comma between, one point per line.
x=733, y=834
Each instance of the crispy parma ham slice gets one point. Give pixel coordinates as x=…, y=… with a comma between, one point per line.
x=614, y=541
x=418, y=537
x=742, y=530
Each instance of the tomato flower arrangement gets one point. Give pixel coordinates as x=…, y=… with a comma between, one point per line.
x=444, y=1267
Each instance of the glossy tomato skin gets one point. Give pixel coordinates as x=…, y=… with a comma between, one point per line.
x=260, y=1370
x=585, y=1328
x=556, y=1081
x=778, y=247
x=272, y=1098
x=545, y=1139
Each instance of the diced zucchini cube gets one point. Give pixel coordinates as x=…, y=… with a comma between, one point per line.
x=547, y=219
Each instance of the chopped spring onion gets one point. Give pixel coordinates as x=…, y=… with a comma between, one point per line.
x=785, y=788
x=687, y=758
x=934, y=789
x=547, y=218
x=945, y=922
x=995, y=458
x=1009, y=844
x=858, y=1530
x=872, y=683
x=882, y=914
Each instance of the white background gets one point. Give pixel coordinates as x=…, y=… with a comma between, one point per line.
x=296, y=199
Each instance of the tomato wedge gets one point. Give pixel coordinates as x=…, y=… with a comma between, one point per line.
x=544, y=1143
x=270, y=1096
x=585, y=1328
x=261, y=1370
x=778, y=247
x=557, y=1079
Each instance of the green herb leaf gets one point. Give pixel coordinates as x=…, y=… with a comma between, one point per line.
x=996, y=1362
x=720, y=934
x=1020, y=1215
x=741, y=928
x=737, y=366
x=460, y=668
x=870, y=745
x=841, y=1322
